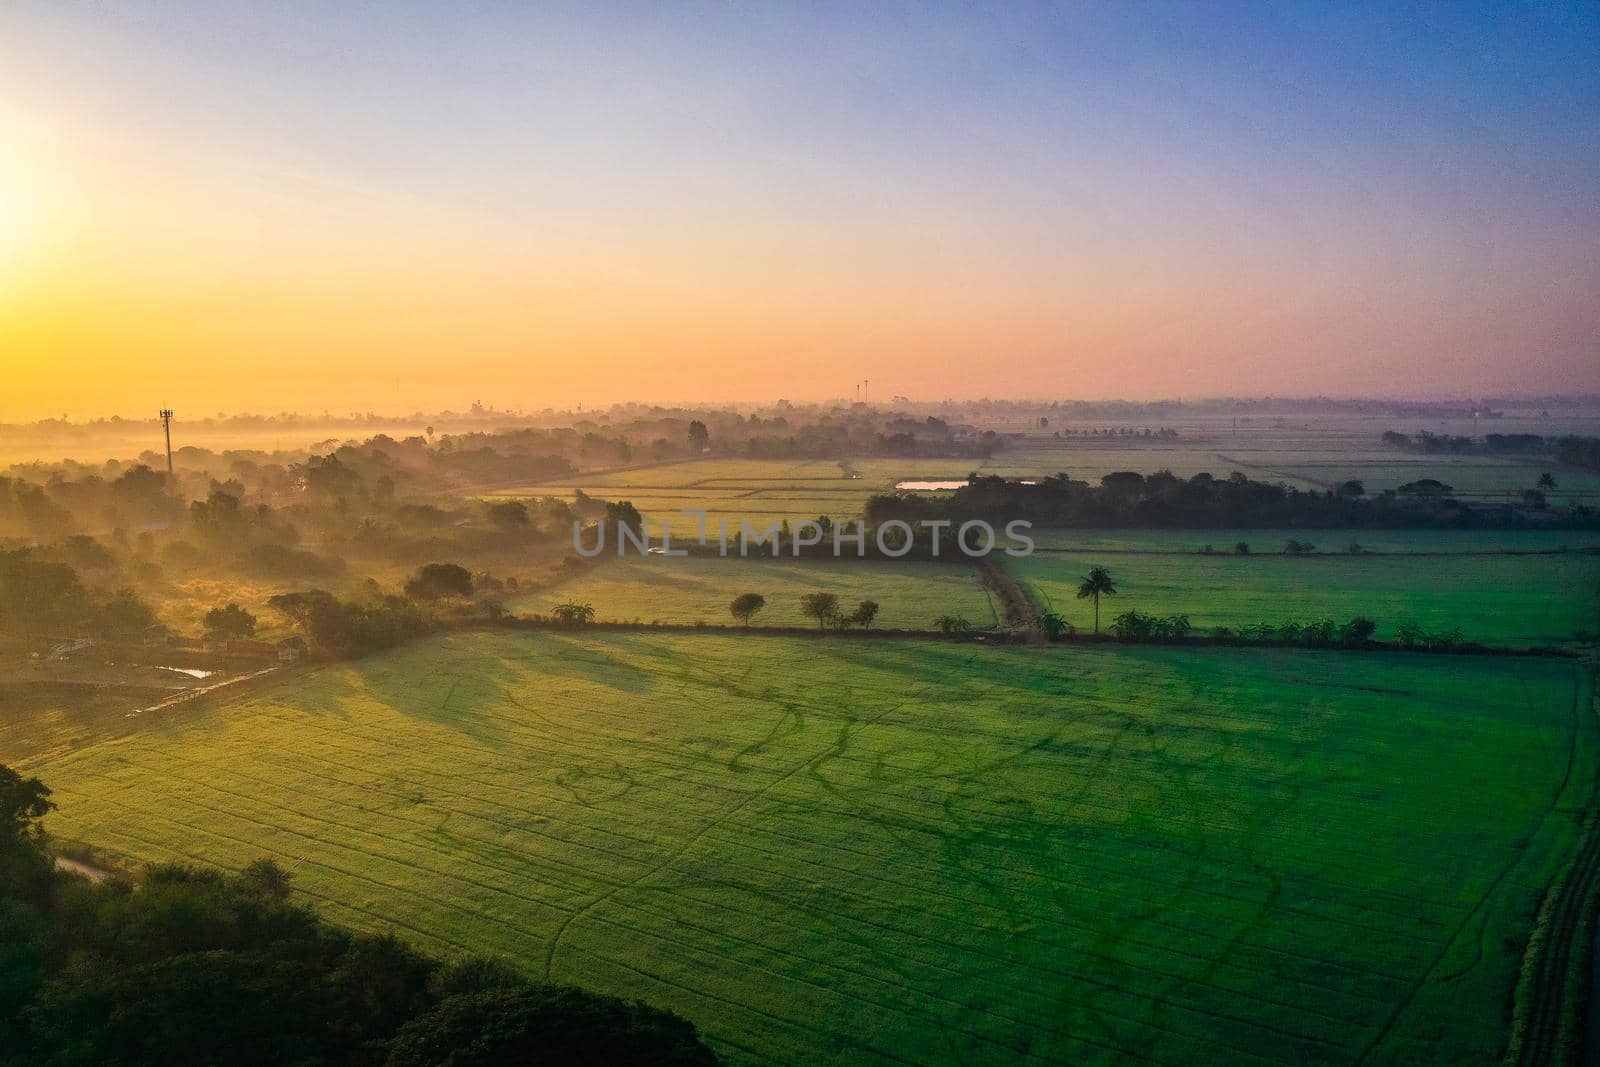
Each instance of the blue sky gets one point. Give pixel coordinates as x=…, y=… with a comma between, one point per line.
x=1370, y=181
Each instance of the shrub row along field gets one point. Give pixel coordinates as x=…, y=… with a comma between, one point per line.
x=694, y=589
x=825, y=851
x=1505, y=600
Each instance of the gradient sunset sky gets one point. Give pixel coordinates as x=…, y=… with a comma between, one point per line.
x=259, y=207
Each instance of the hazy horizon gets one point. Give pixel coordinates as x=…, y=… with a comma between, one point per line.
x=224, y=208
x=1200, y=406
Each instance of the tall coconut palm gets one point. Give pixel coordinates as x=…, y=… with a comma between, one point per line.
x=1096, y=584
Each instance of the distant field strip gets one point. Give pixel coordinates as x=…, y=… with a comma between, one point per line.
x=910, y=852
x=910, y=595
x=1513, y=600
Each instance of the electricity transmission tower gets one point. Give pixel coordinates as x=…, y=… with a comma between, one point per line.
x=166, y=426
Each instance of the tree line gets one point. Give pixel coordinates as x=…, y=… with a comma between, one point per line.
x=1164, y=500
x=1573, y=450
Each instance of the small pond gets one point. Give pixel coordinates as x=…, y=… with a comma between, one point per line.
x=192, y=672
x=956, y=483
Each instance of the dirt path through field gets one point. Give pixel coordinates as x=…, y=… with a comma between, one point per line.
x=1017, y=605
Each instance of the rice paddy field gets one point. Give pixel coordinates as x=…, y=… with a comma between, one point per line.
x=735, y=490
x=1496, y=599
x=696, y=589
x=827, y=851
x=1306, y=458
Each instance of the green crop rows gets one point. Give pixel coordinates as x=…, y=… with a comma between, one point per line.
x=829, y=851
x=681, y=591
x=1512, y=600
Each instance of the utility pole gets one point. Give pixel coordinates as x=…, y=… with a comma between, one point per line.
x=166, y=426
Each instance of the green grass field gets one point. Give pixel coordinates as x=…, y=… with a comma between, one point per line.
x=828, y=851
x=1504, y=600
x=688, y=590
x=738, y=490
x=1408, y=542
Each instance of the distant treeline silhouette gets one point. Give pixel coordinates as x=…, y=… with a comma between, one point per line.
x=1164, y=500
x=1571, y=449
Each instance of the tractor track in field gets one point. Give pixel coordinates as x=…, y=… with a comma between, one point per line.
x=1552, y=1027
x=1539, y=990
x=1547, y=1039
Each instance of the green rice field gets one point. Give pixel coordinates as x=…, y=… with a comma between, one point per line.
x=735, y=490
x=1511, y=600
x=840, y=852
x=698, y=589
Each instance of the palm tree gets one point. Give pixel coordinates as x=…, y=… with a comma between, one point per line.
x=1096, y=583
x=1547, y=480
x=573, y=614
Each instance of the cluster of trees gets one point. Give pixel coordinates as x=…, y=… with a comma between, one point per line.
x=1432, y=443
x=228, y=622
x=573, y=613
x=1292, y=547
x=1137, y=626
x=1240, y=548
x=1578, y=451
x=1165, y=433
x=347, y=628
x=1165, y=500
x=305, y=521
x=1572, y=449
x=858, y=431
x=823, y=607
x=188, y=966
x=26, y=509
x=434, y=595
x=41, y=594
x=1320, y=633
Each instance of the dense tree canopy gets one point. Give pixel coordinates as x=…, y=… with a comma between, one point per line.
x=1164, y=500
